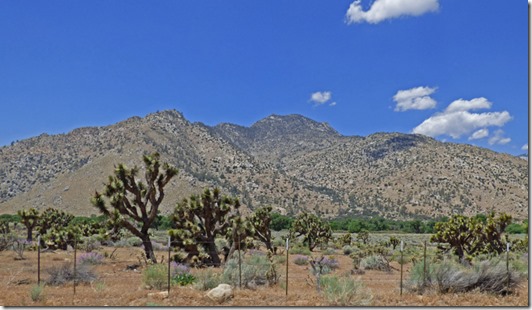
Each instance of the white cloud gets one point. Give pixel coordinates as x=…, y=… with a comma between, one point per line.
x=466, y=105
x=387, y=9
x=525, y=147
x=320, y=97
x=479, y=134
x=417, y=98
x=498, y=138
x=457, y=121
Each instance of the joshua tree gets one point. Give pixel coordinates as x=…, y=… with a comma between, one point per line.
x=467, y=237
x=30, y=219
x=240, y=230
x=314, y=230
x=137, y=203
x=261, y=220
x=53, y=218
x=199, y=220
x=363, y=236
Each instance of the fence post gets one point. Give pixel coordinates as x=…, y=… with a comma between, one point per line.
x=239, y=264
x=401, y=284
x=75, y=253
x=168, y=265
x=286, y=286
x=424, y=265
x=39, y=260
x=508, y=267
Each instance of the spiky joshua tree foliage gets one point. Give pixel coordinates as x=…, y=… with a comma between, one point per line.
x=312, y=228
x=467, y=237
x=198, y=221
x=137, y=202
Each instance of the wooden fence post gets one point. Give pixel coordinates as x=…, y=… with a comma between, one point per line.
x=424, y=265
x=508, y=267
x=401, y=284
x=168, y=265
x=239, y=264
x=286, y=286
x=39, y=260
x=75, y=254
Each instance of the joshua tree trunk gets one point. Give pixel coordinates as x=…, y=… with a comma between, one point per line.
x=213, y=253
x=148, y=249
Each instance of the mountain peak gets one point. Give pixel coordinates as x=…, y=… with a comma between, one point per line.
x=293, y=124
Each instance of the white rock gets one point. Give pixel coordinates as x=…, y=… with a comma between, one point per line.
x=220, y=293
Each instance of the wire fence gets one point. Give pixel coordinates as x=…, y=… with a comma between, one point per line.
x=290, y=273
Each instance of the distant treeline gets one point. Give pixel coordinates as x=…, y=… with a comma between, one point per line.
x=349, y=224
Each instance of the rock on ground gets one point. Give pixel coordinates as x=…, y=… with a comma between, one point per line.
x=220, y=293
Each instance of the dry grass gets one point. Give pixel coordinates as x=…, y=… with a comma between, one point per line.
x=117, y=287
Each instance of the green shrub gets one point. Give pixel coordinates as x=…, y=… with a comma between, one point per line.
x=375, y=262
x=36, y=293
x=256, y=270
x=134, y=241
x=155, y=276
x=301, y=260
x=180, y=274
x=345, y=291
x=207, y=279
x=183, y=279
x=448, y=276
x=329, y=251
x=347, y=250
x=298, y=249
x=280, y=259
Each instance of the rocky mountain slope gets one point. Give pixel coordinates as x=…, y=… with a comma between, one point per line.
x=290, y=162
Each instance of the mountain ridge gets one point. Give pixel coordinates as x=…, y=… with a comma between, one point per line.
x=290, y=162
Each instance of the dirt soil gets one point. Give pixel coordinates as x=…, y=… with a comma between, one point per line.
x=117, y=286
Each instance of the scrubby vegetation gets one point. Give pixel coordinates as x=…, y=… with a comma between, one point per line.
x=464, y=253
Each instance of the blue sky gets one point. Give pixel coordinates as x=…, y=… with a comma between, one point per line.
x=455, y=70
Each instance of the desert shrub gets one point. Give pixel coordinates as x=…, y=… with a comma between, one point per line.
x=254, y=252
x=489, y=276
x=36, y=292
x=155, y=276
x=90, y=258
x=6, y=241
x=375, y=262
x=329, y=251
x=347, y=250
x=207, y=279
x=345, y=291
x=322, y=266
x=180, y=274
x=256, y=270
x=60, y=275
x=134, y=241
x=301, y=260
x=298, y=249
x=520, y=264
x=90, y=244
x=280, y=259
x=19, y=246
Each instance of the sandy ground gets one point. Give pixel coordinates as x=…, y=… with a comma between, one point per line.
x=117, y=286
